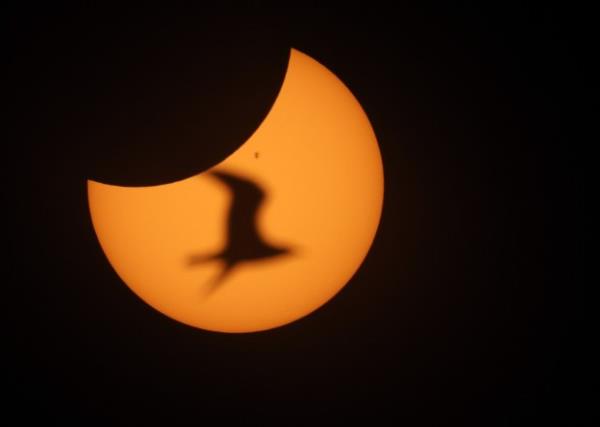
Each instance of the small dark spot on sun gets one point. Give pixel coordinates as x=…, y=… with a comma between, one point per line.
x=256, y=154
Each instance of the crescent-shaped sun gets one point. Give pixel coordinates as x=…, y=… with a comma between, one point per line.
x=316, y=158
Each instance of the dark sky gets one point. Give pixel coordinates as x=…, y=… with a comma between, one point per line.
x=467, y=309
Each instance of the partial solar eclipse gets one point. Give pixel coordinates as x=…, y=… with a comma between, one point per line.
x=268, y=235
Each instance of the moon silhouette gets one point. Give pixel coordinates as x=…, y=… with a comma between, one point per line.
x=268, y=235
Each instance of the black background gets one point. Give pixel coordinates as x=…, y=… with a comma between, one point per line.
x=468, y=306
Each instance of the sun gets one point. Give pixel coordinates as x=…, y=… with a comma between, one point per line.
x=316, y=160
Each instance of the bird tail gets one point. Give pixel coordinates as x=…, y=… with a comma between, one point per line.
x=216, y=281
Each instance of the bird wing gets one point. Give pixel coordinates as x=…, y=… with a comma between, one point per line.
x=242, y=218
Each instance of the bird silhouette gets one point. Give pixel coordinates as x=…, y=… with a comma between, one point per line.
x=243, y=242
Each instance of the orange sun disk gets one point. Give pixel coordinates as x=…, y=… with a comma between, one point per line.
x=317, y=158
